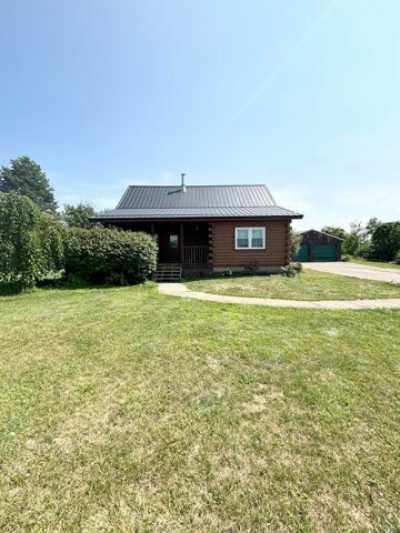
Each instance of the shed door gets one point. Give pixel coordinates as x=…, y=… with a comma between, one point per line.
x=325, y=252
x=302, y=254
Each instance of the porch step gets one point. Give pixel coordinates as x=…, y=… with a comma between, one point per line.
x=168, y=272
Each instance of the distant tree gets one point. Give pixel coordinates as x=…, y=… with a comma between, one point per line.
x=335, y=231
x=25, y=177
x=355, y=240
x=78, y=216
x=351, y=245
x=371, y=226
x=385, y=241
x=31, y=242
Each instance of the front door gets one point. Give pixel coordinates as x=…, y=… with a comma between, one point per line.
x=168, y=243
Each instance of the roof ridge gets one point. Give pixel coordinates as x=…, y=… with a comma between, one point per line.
x=230, y=206
x=213, y=185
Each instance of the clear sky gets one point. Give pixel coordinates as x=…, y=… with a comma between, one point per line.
x=303, y=95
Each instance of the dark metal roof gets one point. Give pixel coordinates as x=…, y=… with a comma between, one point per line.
x=149, y=197
x=214, y=201
x=311, y=231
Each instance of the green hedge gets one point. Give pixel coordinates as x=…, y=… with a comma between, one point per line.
x=102, y=255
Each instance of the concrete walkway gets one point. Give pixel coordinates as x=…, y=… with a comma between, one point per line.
x=355, y=270
x=179, y=289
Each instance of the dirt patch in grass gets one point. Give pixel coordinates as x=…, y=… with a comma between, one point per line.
x=94, y=420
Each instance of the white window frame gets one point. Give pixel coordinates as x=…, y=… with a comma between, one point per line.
x=250, y=232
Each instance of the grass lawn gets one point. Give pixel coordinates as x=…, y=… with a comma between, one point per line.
x=124, y=410
x=309, y=285
x=379, y=264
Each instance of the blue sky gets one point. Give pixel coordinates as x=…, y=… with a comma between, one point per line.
x=302, y=95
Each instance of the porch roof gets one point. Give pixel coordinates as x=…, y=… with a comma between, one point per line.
x=198, y=213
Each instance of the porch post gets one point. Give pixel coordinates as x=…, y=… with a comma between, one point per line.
x=181, y=243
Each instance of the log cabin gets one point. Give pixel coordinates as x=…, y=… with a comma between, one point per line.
x=207, y=229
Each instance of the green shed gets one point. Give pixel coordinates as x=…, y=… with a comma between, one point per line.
x=319, y=246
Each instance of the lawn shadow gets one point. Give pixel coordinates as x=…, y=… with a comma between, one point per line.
x=13, y=289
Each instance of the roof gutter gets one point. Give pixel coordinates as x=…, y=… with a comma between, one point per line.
x=197, y=219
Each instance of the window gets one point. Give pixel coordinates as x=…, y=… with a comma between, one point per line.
x=250, y=238
x=173, y=241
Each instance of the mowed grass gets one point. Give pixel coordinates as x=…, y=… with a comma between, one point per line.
x=124, y=410
x=375, y=264
x=308, y=285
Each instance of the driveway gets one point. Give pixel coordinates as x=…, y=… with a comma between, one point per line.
x=357, y=271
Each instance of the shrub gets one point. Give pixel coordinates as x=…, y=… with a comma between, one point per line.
x=291, y=270
x=294, y=243
x=102, y=255
x=298, y=267
x=397, y=258
x=365, y=250
x=385, y=241
x=30, y=241
x=52, y=236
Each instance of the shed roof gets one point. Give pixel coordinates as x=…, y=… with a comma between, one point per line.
x=311, y=231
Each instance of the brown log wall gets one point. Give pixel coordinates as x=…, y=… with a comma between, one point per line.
x=222, y=244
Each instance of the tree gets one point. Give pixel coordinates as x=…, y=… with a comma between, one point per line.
x=31, y=241
x=385, y=241
x=335, y=231
x=371, y=226
x=351, y=244
x=25, y=177
x=78, y=216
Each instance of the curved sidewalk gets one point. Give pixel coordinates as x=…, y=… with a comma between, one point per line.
x=179, y=289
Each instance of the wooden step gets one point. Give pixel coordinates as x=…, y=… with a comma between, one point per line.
x=168, y=272
x=168, y=266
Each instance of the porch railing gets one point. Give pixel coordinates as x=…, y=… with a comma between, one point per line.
x=195, y=255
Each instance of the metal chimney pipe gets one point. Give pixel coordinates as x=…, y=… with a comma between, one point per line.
x=183, y=186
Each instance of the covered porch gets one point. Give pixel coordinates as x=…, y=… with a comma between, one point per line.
x=184, y=244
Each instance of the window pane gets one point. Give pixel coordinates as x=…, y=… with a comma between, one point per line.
x=242, y=238
x=173, y=241
x=257, y=238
